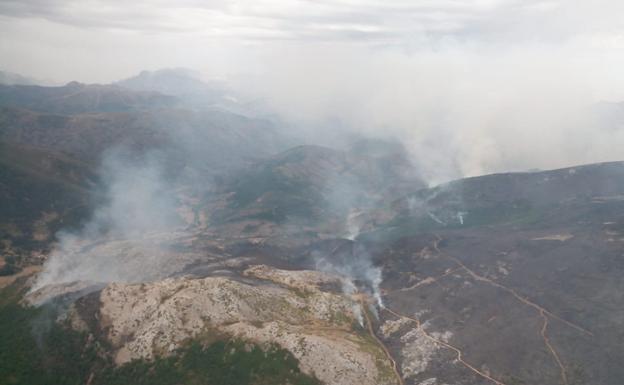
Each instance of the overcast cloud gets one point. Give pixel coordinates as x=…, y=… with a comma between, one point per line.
x=115, y=38
x=472, y=86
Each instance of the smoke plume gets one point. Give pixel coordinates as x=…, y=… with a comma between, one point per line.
x=357, y=266
x=128, y=232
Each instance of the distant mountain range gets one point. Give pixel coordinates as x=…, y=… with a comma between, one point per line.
x=173, y=81
x=11, y=79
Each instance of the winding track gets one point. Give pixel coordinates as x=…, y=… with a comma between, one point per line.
x=425, y=282
x=510, y=291
x=544, y=313
x=564, y=377
x=369, y=326
x=457, y=351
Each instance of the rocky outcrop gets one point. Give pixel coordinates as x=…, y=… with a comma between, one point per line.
x=318, y=327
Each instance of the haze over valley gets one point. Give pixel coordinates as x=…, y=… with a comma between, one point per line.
x=311, y=193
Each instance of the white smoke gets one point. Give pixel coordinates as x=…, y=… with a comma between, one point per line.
x=356, y=267
x=374, y=276
x=349, y=288
x=461, y=108
x=473, y=86
x=128, y=233
x=353, y=225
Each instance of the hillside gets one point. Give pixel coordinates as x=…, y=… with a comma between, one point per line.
x=10, y=79
x=42, y=192
x=181, y=245
x=76, y=98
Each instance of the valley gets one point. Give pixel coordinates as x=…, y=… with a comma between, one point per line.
x=164, y=242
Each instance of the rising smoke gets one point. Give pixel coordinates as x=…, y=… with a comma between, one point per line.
x=462, y=103
x=473, y=87
x=357, y=266
x=461, y=108
x=127, y=235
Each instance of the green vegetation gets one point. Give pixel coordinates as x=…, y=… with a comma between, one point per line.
x=221, y=363
x=368, y=344
x=35, y=350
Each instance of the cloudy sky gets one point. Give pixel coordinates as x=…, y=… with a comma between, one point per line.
x=474, y=86
x=100, y=40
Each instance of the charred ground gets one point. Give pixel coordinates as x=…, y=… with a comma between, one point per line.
x=501, y=279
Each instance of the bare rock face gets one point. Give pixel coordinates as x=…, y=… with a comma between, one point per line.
x=296, y=279
x=319, y=328
x=417, y=352
x=333, y=356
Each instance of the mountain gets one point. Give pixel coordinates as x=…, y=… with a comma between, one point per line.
x=42, y=192
x=51, y=161
x=314, y=186
x=212, y=137
x=529, y=260
x=534, y=264
x=75, y=97
x=172, y=81
x=500, y=198
x=11, y=79
x=287, y=262
x=192, y=91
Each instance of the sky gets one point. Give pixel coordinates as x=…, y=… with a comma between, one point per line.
x=472, y=86
x=100, y=41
